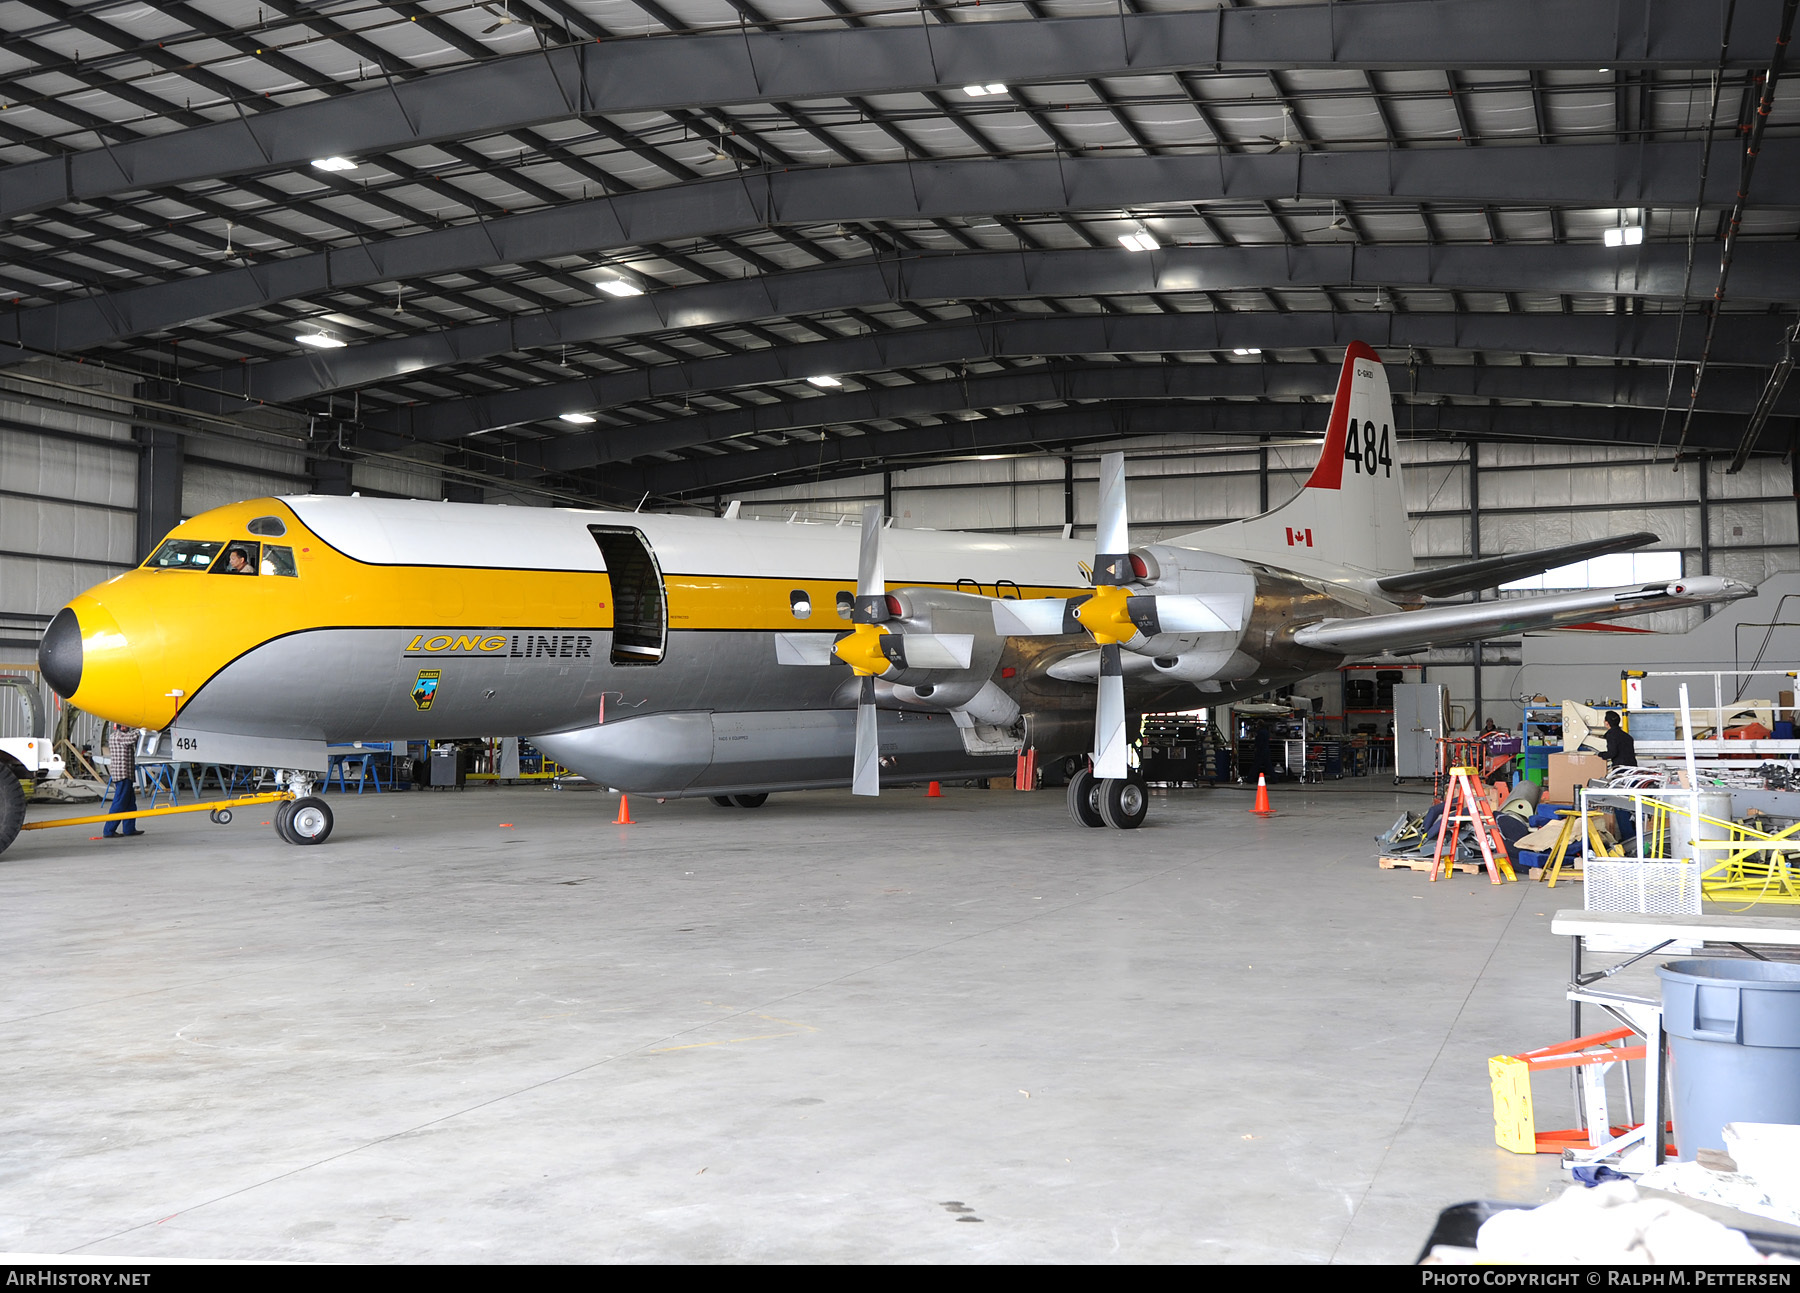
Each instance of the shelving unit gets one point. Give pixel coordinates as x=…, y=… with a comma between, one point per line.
x=1288, y=746
x=1350, y=684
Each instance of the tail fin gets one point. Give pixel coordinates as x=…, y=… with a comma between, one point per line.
x=1349, y=518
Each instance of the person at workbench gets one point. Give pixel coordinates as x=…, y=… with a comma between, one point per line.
x=121, y=766
x=1621, y=750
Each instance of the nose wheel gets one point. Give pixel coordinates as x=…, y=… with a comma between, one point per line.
x=1121, y=803
x=304, y=821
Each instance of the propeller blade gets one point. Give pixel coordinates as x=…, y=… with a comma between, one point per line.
x=805, y=648
x=1184, y=613
x=866, y=779
x=870, y=575
x=1111, y=535
x=1109, y=716
x=1036, y=617
x=929, y=650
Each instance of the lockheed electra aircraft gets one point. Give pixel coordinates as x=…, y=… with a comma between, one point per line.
x=722, y=657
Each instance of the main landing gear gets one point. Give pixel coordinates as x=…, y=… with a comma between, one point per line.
x=1120, y=803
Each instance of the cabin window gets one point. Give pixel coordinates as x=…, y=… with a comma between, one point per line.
x=640, y=616
x=183, y=554
x=800, y=602
x=272, y=527
x=239, y=558
x=846, y=602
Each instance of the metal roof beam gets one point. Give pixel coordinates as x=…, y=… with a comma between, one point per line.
x=1581, y=175
x=1746, y=339
x=1764, y=271
x=672, y=72
x=1602, y=386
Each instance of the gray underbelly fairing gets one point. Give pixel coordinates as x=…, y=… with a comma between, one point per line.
x=680, y=755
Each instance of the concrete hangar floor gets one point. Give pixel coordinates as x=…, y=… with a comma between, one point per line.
x=491, y=1026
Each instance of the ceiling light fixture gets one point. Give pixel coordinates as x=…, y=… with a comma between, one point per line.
x=1627, y=236
x=333, y=164
x=619, y=287
x=1246, y=350
x=582, y=418
x=320, y=341
x=1138, y=242
x=824, y=381
x=982, y=91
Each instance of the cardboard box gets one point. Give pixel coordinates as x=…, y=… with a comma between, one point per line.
x=1785, y=699
x=1568, y=771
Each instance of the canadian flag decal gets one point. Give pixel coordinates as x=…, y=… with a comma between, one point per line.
x=1298, y=537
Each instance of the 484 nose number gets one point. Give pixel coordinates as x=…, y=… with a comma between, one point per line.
x=1365, y=452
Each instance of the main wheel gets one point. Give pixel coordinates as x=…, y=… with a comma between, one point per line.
x=308, y=822
x=12, y=807
x=1084, y=798
x=749, y=801
x=723, y=801
x=282, y=810
x=1124, y=802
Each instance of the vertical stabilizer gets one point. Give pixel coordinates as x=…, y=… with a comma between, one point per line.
x=1349, y=518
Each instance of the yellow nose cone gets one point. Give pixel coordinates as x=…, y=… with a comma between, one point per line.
x=1103, y=615
x=862, y=650
x=112, y=675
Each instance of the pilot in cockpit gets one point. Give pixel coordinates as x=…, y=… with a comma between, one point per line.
x=237, y=562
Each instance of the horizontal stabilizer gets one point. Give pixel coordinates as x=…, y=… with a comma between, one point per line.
x=1442, y=625
x=1491, y=572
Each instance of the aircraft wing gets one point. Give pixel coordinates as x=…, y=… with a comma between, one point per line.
x=1491, y=572
x=1442, y=625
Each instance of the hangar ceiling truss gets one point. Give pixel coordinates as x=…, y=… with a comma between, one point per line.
x=608, y=244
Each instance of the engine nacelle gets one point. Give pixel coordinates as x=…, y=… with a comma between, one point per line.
x=942, y=612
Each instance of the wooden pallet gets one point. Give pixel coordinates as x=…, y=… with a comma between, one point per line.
x=1416, y=862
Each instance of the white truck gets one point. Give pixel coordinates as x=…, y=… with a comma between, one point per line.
x=23, y=759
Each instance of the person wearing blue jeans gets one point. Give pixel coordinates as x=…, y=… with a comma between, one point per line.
x=121, y=765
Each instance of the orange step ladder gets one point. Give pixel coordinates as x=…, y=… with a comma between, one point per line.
x=1465, y=805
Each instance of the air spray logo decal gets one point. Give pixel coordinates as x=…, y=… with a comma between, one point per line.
x=1299, y=538
x=425, y=688
x=502, y=646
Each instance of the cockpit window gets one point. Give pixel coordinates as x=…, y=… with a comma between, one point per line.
x=183, y=554
x=278, y=560
x=239, y=559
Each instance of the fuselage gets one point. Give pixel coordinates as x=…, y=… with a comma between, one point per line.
x=360, y=619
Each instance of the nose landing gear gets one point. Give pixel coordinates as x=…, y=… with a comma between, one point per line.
x=305, y=819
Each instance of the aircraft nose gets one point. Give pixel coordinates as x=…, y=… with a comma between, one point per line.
x=59, y=654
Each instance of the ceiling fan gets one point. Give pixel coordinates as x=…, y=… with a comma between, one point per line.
x=505, y=15
x=1276, y=145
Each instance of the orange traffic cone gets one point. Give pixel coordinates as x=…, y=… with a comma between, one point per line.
x=624, y=817
x=936, y=791
x=1261, y=808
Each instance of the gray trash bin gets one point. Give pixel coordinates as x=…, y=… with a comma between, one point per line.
x=1734, y=1046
